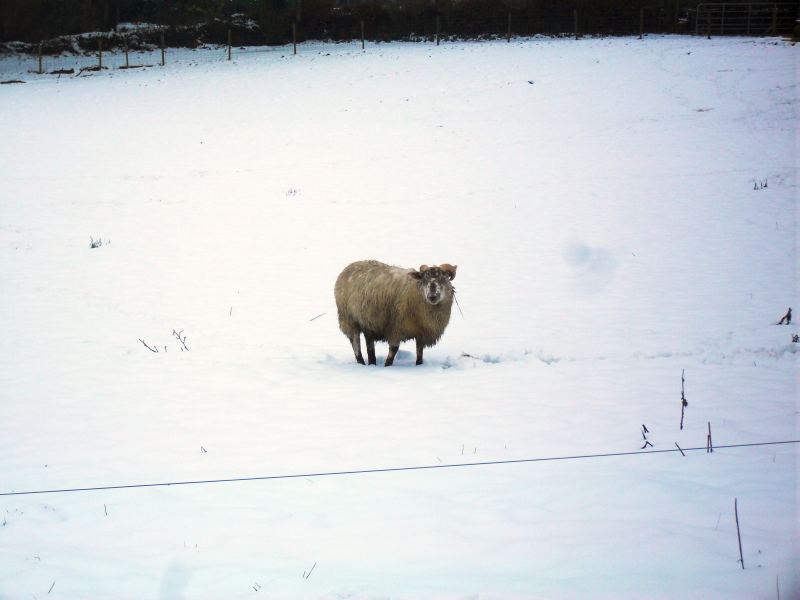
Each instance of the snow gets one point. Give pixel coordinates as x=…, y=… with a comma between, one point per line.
x=598, y=198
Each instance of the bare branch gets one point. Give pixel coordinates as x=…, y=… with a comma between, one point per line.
x=182, y=340
x=148, y=347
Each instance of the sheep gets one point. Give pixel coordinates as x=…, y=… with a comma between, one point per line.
x=393, y=304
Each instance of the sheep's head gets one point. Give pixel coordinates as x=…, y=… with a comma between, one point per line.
x=435, y=281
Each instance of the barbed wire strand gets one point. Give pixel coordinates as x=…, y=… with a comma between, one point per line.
x=385, y=469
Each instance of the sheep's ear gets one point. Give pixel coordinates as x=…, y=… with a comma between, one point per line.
x=449, y=269
x=415, y=275
x=423, y=268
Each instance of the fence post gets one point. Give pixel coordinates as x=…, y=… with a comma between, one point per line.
x=509, y=27
x=163, y=58
x=674, y=18
x=722, y=22
x=641, y=23
x=40, y=57
x=438, y=24
x=294, y=37
x=708, y=22
x=100, y=54
x=749, y=13
x=575, y=16
x=229, y=44
x=127, y=62
x=774, y=19
x=362, y=34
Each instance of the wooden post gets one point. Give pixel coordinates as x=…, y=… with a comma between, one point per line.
x=509, y=27
x=774, y=19
x=229, y=44
x=722, y=22
x=100, y=53
x=749, y=14
x=40, y=58
x=163, y=52
x=362, y=34
x=708, y=22
x=438, y=25
x=674, y=18
x=127, y=62
x=575, y=16
x=294, y=37
x=641, y=23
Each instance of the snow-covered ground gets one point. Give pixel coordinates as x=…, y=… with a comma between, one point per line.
x=598, y=198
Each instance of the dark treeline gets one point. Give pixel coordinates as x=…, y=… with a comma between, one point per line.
x=192, y=22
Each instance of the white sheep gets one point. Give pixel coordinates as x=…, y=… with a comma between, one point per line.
x=393, y=304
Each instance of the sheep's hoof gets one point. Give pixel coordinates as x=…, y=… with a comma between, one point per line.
x=360, y=360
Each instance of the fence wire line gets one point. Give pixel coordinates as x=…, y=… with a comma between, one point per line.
x=386, y=469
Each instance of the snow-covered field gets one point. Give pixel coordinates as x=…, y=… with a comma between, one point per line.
x=598, y=198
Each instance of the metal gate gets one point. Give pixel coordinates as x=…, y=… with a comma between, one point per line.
x=758, y=18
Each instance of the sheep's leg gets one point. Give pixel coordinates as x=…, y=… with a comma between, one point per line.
x=370, y=350
x=355, y=340
x=390, y=357
x=420, y=348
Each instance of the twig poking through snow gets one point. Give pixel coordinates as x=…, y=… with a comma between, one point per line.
x=684, y=403
x=309, y=573
x=709, y=443
x=645, y=431
x=51, y=588
x=458, y=305
x=182, y=340
x=787, y=318
x=148, y=347
x=738, y=533
x=317, y=317
x=679, y=448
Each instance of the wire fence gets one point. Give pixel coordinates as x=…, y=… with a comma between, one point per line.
x=152, y=45
x=734, y=18
x=708, y=448
x=103, y=61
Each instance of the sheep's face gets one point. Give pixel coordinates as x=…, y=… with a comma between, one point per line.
x=435, y=282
